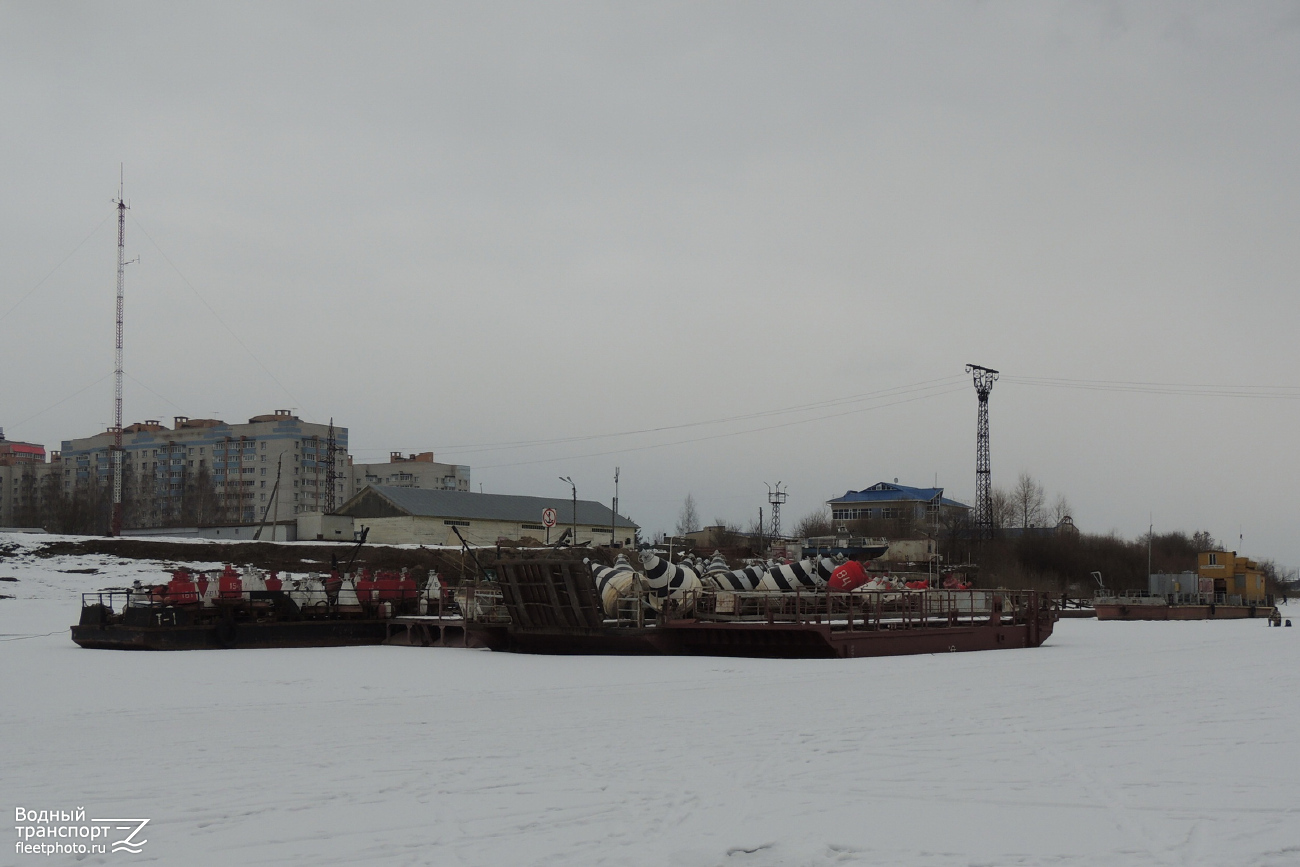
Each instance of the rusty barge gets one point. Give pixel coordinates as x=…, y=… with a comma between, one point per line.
x=194, y=611
x=551, y=605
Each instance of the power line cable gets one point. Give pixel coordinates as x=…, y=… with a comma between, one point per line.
x=1267, y=392
x=937, y=385
x=724, y=435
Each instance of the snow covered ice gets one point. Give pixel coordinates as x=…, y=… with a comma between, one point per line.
x=1114, y=743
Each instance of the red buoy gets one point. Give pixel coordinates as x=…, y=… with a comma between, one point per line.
x=228, y=585
x=847, y=576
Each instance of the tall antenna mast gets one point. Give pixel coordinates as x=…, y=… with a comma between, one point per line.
x=115, y=523
x=983, y=377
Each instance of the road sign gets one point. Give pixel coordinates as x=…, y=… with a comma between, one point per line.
x=548, y=518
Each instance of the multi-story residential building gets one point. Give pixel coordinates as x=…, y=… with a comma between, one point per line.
x=205, y=470
x=23, y=471
x=415, y=471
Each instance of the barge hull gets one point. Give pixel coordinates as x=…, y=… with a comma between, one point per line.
x=225, y=635
x=763, y=641
x=1114, y=611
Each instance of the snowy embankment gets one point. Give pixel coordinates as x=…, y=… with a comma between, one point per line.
x=1114, y=744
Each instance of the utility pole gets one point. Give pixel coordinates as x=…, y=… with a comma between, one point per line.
x=613, y=517
x=1151, y=532
x=775, y=497
x=983, y=377
x=115, y=522
x=573, y=542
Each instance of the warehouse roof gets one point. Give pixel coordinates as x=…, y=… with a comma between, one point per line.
x=884, y=492
x=386, y=501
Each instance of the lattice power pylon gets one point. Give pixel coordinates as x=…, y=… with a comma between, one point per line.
x=776, y=497
x=984, y=377
x=331, y=455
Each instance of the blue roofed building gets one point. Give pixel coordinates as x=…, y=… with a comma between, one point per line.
x=886, y=501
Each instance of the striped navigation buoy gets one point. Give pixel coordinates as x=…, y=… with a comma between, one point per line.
x=720, y=576
x=668, y=580
x=612, y=582
x=826, y=566
x=789, y=577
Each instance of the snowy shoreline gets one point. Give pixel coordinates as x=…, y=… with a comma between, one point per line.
x=1114, y=743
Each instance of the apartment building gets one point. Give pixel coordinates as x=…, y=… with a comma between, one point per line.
x=230, y=469
x=413, y=471
x=23, y=470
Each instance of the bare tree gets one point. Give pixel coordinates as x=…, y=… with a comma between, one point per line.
x=688, y=520
x=1027, y=499
x=1203, y=541
x=1002, y=511
x=725, y=534
x=1060, y=509
x=816, y=523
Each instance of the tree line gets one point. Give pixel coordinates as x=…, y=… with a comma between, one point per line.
x=86, y=507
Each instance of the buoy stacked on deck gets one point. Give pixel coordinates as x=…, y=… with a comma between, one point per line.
x=612, y=582
x=182, y=590
x=431, y=600
x=229, y=586
x=667, y=580
x=253, y=581
x=789, y=577
x=309, y=593
x=848, y=576
x=349, y=599
x=722, y=577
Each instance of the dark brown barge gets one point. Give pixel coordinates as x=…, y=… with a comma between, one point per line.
x=110, y=621
x=551, y=607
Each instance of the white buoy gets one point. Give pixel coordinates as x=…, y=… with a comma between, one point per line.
x=252, y=580
x=612, y=582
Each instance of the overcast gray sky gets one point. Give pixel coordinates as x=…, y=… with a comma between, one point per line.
x=458, y=225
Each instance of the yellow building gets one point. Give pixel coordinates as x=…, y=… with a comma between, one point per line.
x=1232, y=575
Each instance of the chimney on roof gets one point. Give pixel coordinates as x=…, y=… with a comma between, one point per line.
x=180, y=420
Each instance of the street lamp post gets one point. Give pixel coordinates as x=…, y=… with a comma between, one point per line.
x=613, y=513
x=573, y=541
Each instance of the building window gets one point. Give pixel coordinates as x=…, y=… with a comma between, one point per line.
x=1214, y=559
x=456, y=523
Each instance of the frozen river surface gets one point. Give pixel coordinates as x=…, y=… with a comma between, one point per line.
x=1113, y=744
